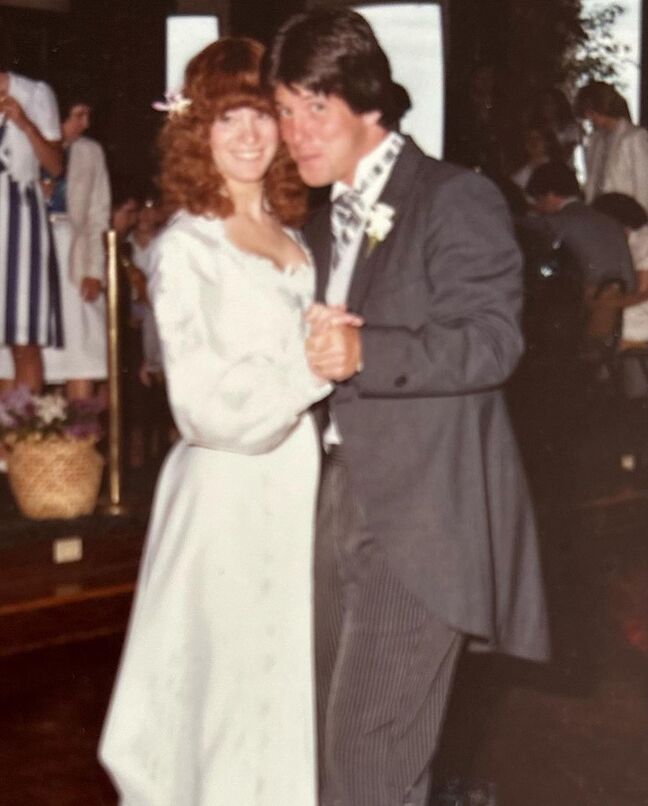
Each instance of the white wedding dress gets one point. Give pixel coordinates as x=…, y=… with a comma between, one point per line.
x=213, y=704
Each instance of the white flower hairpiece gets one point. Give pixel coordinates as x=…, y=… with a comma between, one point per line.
x=380, y=220
x=174, y=103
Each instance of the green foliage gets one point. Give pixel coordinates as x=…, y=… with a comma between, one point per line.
x=599, y=56
x=542, y=36
x=555, y=43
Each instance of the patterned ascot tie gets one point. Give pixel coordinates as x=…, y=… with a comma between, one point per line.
x=349, y=210
x=347, y=216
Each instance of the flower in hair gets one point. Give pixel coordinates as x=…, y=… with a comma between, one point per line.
x=174, y=103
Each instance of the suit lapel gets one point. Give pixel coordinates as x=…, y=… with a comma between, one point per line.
x=318, y=230
x=395, y=194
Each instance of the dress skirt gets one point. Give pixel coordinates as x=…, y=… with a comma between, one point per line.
x=213, y=704
x=30, y=308
x=84, y=323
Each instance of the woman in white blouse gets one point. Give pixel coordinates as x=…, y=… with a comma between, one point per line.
x=79, y=209
x=30, y=314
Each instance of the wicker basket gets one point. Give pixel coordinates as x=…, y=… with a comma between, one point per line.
x=55, y=478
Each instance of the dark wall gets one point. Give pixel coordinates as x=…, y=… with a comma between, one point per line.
x=30, y=36
x=476, y=30
x=261, y=18
x=119, y=45
x=114, y=47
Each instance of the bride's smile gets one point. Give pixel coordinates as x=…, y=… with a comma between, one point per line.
x=243, y=143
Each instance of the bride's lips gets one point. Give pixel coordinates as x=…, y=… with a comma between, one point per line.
x=248, y=155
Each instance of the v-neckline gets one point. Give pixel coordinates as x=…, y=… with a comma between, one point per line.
x=287, y=269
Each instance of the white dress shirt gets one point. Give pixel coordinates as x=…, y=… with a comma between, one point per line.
x=337, y=290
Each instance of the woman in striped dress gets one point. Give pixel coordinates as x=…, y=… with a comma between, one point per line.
x=29, y=284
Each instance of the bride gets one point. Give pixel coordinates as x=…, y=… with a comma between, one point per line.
x=213, y=704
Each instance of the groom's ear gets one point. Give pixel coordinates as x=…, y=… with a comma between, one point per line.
x=372, y=118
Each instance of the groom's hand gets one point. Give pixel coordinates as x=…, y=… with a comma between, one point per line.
x=336, y=353
x=320, y=317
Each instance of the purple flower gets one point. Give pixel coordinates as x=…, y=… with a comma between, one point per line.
x=6, y=420
x=86, y=407
x=83, y=430
x=18, y=401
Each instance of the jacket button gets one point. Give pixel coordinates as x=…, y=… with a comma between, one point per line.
x=400, y=381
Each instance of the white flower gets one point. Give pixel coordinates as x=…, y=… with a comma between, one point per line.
x=380, y=220
x=49, y=408
x=6, y=419
x=174, y=103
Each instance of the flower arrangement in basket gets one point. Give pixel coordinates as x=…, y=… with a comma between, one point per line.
x=53, y=467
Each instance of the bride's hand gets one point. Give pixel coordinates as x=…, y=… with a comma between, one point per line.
x=321, y=317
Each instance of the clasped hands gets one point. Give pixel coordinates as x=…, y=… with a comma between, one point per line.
x=333, y=346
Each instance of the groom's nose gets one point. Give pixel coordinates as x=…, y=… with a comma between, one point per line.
x=295, y=129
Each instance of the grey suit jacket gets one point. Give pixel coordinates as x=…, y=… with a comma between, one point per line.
x=595, y=241
x=424, y=424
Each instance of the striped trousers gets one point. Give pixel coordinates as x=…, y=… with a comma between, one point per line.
x=384, y=663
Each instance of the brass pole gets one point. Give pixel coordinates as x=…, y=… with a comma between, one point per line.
x=114, y=377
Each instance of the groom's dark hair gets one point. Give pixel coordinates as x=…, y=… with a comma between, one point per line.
x=335, y=52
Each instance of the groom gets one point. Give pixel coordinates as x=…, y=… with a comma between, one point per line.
x=425, y=538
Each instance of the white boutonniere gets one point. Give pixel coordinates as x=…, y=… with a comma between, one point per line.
x=380, y=220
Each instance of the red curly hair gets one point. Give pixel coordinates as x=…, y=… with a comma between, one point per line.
x=223, y=76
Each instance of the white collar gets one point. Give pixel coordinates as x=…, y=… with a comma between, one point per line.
x=367, y=163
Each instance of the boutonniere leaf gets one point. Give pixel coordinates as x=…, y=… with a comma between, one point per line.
x=379, y=222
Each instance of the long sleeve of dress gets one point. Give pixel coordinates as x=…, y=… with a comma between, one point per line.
x=232, y=386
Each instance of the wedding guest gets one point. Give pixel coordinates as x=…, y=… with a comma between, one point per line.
x=553, y=111
x=30, y=135
x=595, y=241
x=617, y=151
x=78, y=203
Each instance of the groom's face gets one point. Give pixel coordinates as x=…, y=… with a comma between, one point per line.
x=325, y=137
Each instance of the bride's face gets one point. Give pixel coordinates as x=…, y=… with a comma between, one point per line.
x=243, y=143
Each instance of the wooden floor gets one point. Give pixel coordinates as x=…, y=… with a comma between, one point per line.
x=573, y=733
x=61, y=630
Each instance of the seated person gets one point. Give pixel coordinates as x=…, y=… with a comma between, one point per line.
x=595, y=241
